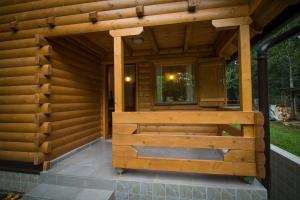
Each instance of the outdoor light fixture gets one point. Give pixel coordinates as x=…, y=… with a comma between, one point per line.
x=171, y=77
x=138, y=40
x=128, y=79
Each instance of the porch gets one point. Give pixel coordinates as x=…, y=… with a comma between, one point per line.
x=90, y=169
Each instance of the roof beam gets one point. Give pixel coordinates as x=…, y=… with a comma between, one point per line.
x=127, y=48
x=188, y=31
x=153, y=40
x=253, y=5
x=231, y=23
x=224, y=41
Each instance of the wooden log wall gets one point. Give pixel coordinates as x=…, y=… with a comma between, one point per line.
x=76, y=97
x=24, y=69
x=50, y=99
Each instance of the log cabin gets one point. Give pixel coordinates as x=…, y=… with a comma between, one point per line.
x=148, y=73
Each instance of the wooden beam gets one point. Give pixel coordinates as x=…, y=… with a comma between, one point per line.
x=245, y=68
x=119, y=73
x=154, y=20
x=188, y=31
x=185, y=117
x=126, y=32
x=253, y=5
x=186, y=165
x=224, y=42
x=231, y=22
x=185, y=141
x=127, y=48
x=152, y=39
x=245, y=75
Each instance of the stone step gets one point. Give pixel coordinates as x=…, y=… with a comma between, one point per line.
x=59, y=192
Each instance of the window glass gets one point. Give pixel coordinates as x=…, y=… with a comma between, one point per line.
x=175, y=84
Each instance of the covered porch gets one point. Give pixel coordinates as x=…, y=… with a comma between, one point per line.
x=87, y=168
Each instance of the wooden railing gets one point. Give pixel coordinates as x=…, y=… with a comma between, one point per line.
x=244, y=158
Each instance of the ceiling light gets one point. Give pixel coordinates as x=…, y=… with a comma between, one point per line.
x=138, y=40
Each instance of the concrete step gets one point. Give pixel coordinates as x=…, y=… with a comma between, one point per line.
x=59, y=192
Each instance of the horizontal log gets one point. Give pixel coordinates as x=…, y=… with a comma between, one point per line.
x=125, y=128
x=75, y=69
x=62, y=107
x=18, y=146
x=81, y=79
x=72, y=91
x=25, y=90
x=178, y=128
x=73, y=129
x=26, y=61
x=75, y=136
x=30, y=157
x=75, y=121
x=124, y=151
x=25, y=5
x=19, y=80
x=239, y=156
x=20, y=118
x=10, y=2
x=76, y=9
x=15, y=44
x=191, y=141
x=93, y=88
x=25, y=108
x=74, y=59
x=26, y=71
x=154, y=20
x=231, y=130
x=156, y=9
x=66, y=99
x=71, y=49
x=185, y=117
x=72, y=145
x=26, y=52
x=20, y=99
x=25, y=127
x=46, y=147
x=58, y=116
x=37, y=138
x=185, y=165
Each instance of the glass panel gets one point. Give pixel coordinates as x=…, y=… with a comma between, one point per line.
x=175, y=84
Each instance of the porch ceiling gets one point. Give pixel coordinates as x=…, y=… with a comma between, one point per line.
x=197, y=37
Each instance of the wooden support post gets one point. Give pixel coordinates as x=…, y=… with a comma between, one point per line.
x=119, y=63
x=245, y=75
x=104, y=103
x=188, y=31
x=119, y=73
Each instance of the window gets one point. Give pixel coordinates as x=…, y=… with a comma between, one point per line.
x=175, y=84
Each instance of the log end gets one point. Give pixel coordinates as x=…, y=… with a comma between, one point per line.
x=93, y=16
x=140, y=11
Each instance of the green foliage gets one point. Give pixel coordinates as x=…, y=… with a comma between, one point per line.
x=283, y=63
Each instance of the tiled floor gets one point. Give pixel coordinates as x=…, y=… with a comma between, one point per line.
x=95, y=162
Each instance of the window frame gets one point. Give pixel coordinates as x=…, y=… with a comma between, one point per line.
x=178, y=63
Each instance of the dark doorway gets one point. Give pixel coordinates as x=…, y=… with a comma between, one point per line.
x=129, y=91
